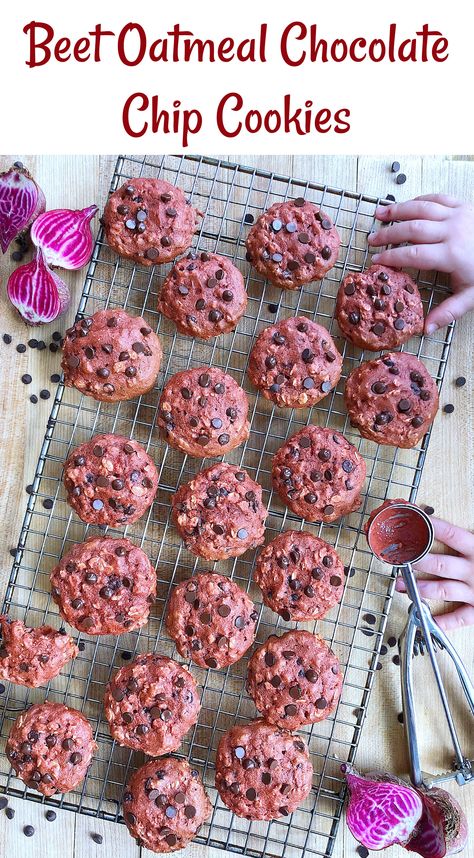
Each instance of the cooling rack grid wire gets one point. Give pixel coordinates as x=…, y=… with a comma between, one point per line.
x=228, y=195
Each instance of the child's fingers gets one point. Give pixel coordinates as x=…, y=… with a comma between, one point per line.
x=422, y=256
x=445, y=566
x=450, y=309
x=443, y=589
x=442, y=199
x=417, y=231
x=455, y=537
x=419, y=208
x=456, y=619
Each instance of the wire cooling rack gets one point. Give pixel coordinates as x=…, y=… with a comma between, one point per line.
x=230, y=196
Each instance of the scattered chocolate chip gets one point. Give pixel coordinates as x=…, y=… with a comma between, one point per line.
x=7, y=339
x=26, y=378
x=401, y=179
x=28, y=831
x=448, y=409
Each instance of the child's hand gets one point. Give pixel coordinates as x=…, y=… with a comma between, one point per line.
x=451, y=575
x=440, y=230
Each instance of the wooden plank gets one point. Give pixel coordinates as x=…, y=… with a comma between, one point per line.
x=51, y=839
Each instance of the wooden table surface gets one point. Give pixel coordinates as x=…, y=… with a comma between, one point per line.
x=447, y=483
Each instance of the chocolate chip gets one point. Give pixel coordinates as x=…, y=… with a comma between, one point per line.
x=321, y=703
x=152, y=252
x=460, y=381
x=378, y=328
x=399, y=324
x=326, y=252
x=417, y=422
x=251, y=794
x=379, y=387
x=354, y=318
x=28, y=831
x=291, y=709
x=239, y=752
x=404, y=406
x=448, y=409
x=349, y=289
x=328, y=510
x=401, y=179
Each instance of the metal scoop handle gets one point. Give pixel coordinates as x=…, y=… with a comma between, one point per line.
x=420, y=617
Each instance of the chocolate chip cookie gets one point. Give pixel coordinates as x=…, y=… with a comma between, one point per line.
x=262, y=772
x=295, y=363
x=165, y=804
x=292, y=243
x=294, y=679
x=149, y=221
x=211, y=620
x=151, y=703
x=300, y=575
x=203, y=412
x=204, y=295
x=392, y=399
x=110, y=480
x=379, y=308
x=50, y=747
x=111, y=356
x=220, y=512
x=32, y=657
x=104, y=586
x=319, y=474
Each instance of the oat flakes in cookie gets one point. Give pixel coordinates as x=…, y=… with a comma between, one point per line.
x=319, y=474
x=295, y=363
x=104, y=586
x=292, y=243
x=50, y=747
x=220, y=513
x=300, y=575
x=211, y=620
x=392, y=399
x=262, y=772
x=111, y=356
x=379, y=308
x=110, y=480
x=204, y=295
x=151, y=704
x=294, y=679
x=165, y=804
x=203, y=412
x=149, y=221
x=32, y=656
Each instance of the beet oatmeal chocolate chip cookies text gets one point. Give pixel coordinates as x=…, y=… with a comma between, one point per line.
x=50, y=747
x=149, y=221
x=392, y=399
x=220, y=512
x=319, y=474
x=293, y=243
x=295, y=363
x=110, y=480
x=294, y=680
x=301, y=576
x=164, y=804
x=379, y=308
x=151, y=703
x=211, y=620
x=104, y=586
x=262, y=772
x=32, y=657
x=204, y=294
x=111, y=356
x=203, y=412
